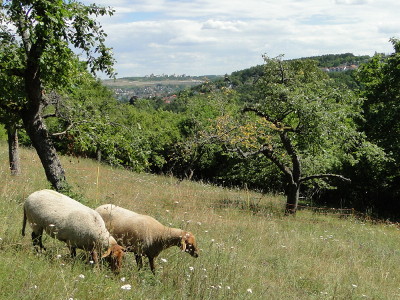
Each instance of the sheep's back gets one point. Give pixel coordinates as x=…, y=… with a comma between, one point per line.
x=65, y=219
x=130, y=228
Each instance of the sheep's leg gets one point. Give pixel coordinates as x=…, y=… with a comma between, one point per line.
x=72, y=250
x=37, y=240
x=95, y=257
x=139, y=261
x=152, y=267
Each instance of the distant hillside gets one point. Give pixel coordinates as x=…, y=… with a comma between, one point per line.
x=157, y=86
x=339, y=67
x=153, y=86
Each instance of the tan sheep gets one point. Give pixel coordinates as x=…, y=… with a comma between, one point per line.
x=71, y=222
x=144, y=235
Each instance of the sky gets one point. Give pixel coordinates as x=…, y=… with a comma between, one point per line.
x=217, y=37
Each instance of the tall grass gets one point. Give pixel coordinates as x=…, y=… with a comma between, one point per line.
x=249, y=250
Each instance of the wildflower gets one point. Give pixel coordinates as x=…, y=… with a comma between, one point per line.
x=51, y=225
x=191, y=268
x=91, y=262
x=81, y=276
x=167, y=210
x=126, y=287
x=228, y=287
x=199, y=223
x=58, y=256
x=354, y=285
x=176, y=202
x=250, y=291
x=212, y=240
x=164, y=260
x=123, y=279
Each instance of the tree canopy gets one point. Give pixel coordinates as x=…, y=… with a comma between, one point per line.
x=38, y=38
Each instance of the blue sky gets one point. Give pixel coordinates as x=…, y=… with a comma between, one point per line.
x=202, y=37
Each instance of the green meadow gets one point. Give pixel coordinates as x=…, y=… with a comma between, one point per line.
x=249, y=249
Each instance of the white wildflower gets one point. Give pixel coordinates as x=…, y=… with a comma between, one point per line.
x=123, y=279
x=250, y=291
x=228, y=287
x=164, y=260
x=191, y=268
x=81, y=276
x=354, y=285
x=58, y=256
x=91, y=262
x=126, y=287
x=212, y=240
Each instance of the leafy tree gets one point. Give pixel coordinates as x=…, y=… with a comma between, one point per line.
x=380, y=82
x=38, y=37
x=10, y=95
x=298, y=119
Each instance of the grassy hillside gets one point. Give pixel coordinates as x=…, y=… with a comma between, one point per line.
x=249, y=250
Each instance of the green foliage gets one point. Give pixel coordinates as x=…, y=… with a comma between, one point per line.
x=299, y=100
x=376, y=181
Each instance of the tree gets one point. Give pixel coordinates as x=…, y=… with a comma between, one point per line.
x=298, y=119
x=380, y=85
x=39, y=35
x=10, y=96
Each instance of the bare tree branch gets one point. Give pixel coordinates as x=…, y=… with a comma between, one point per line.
x=278, y=124
x=325, y=176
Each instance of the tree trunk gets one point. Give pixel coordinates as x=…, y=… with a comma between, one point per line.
x=37, y=131
x=292, y=198
x=13, y=150
x=34, y=124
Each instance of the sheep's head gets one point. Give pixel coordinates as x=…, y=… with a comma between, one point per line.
x=189, y=245
x=114, y=256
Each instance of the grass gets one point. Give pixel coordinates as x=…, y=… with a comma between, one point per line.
x=249, y=250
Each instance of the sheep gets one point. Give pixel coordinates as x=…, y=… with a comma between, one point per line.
x=144, y=235
x=71, y=222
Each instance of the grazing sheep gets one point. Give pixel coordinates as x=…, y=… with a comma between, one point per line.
x=144, y=235
x=71, y=222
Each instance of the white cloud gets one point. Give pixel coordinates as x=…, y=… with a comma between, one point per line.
x=216, y=37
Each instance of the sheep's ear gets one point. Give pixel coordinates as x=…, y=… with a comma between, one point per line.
x=183, y=244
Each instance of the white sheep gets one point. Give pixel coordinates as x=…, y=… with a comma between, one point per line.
x=71, y=222
x=144, y=235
